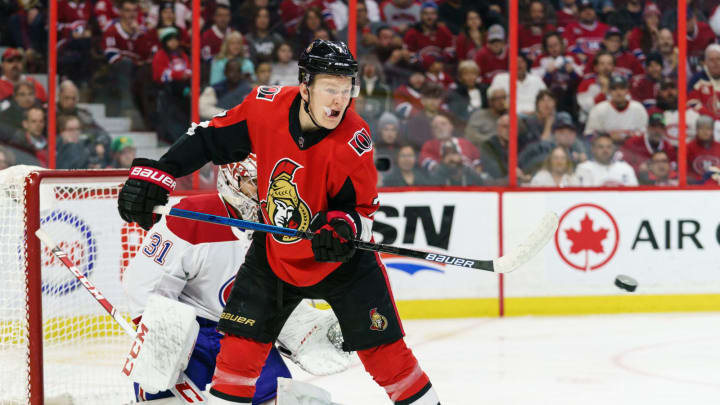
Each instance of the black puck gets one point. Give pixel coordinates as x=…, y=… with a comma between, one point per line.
x=627, y=283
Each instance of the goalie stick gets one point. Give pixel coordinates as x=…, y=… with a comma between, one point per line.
x=504, y=264
x=185, y=390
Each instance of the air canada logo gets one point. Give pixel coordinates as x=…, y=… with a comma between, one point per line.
x=587, y=237
x=378, y=321
x=361, y=142
x=283, y=206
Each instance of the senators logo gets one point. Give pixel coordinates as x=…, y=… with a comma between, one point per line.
x=283, y=206
x=377, y=321
x=361, y=142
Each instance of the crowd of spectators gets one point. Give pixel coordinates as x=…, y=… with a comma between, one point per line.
x=597, y=81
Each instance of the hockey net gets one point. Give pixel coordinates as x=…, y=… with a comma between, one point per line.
x=56, y=342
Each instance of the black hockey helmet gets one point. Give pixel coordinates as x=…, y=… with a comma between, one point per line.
x=330, y=58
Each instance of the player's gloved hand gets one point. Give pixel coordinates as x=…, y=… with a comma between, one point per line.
x=333, y=231
x=148, y=185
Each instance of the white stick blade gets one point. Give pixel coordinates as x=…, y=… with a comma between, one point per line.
x=530, y=247
x=45, y=238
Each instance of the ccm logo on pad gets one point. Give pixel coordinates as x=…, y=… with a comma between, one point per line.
x=158, y=177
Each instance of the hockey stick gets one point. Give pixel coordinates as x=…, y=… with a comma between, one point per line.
x=504, y=264
x=184, y=386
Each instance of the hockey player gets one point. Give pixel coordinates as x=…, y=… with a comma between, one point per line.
x=196, y=262
x=316, y=172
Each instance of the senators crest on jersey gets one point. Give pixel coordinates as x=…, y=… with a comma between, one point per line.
x=284, y=207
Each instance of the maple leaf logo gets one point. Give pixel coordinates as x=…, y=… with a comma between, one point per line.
x=586, y=239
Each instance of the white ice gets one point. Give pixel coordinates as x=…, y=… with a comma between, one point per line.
x=600, y=359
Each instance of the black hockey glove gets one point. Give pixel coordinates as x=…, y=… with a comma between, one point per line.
x=148, y=185
x=333, y=233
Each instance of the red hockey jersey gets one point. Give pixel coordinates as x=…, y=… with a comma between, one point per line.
x=583, y=38
x=73, y=17
x=700, y=157
x=299, y=174
x=491, y=64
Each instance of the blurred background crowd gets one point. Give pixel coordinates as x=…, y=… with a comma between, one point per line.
x=597, y=83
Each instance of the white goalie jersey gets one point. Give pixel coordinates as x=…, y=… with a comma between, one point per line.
x=189, y=261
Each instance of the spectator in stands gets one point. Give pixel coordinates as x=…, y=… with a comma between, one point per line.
x=399, y=64
x=703, y=152
x=668, y=51
x=285, y=68
x=557, y=170
x=233, y=47
x=644, y=39
x=418, y=125
x=434, y=65
x=559, y=69
x=213, y=37
x=443, y=132
x=26, y=29
x=373, y=89
x=466, y=95
x=366, y=31
x=704, y=87
x=637, y=150
x=30, y=139
x=628, y=17
x=244, y=16
x=451, y=170
x=493, y=57
x=645, y=88
x=388, y=137
x=471, y=38
x=699, y=37
x=261, y=40
x=537, y=126
x=453, y=13
x=532, y=32
x=660, y=172
x=528, y=85
x=407, y=97
x=311, y=22
x=167, y=19
x=483, y=123
x=428, y=33
x=667, y=104
x=567, y=13
x=74, y=42
x=400, y=14
x=123, y=149
x=595, y=84
x=585, y=35
x=626, y=64
x=494, y=153
x=226, y=94
x=263, y=72
x=23, y=98
x=405, y=171
x=12, y=74
x=7, y=158
x=619, y=116
x=68, y=99
x=293, y=12
x=71, y=152
x=105, y=12
x=602, y=171
x=121, y=44
x=172, y=73
x=564, y=135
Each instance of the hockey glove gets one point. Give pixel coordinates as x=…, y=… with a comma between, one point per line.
x=333, y=233
x=148, y=185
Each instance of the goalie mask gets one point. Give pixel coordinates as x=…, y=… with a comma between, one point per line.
x=237, y=183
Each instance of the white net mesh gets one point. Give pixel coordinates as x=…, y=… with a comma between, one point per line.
x=83, y=348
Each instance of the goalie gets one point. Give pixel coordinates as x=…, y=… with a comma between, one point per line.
x=195, y=264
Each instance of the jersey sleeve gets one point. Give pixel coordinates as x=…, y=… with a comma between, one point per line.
x=223, y=139
x=353, y=187
x=161, y=266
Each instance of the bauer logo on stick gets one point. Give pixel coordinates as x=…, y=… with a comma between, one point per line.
x=361, y=142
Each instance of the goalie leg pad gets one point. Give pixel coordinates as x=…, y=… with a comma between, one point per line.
x=161, y=350
x=304, y=339
x=238, y=367
x=395, y=368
